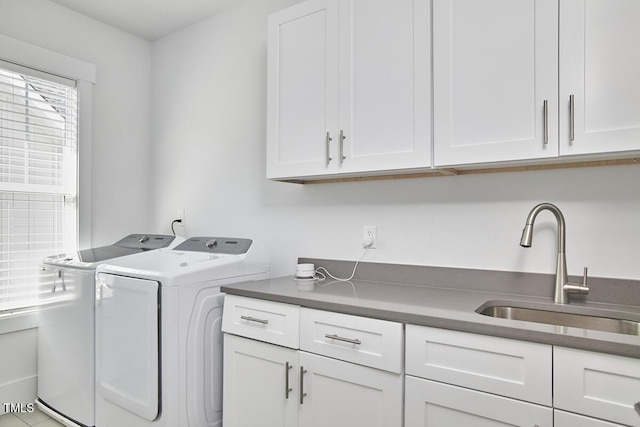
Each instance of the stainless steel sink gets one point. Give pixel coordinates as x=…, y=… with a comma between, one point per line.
x=598, y=322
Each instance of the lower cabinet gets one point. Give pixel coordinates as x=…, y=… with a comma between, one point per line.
x=326, y=380
x=269, y=385
x=602, y=386
x=257, y=379
x=289, y=366
x=434, y=404
x=342, y=394
x=461, y=379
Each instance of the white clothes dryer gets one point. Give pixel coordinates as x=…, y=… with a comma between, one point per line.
x=158, y=337
x=66, y=372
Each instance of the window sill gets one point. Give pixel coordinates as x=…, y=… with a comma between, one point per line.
x=19, y=319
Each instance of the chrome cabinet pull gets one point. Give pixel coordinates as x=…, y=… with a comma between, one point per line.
x=339, y=338
x=328, y=144
x=253, y=319
x=342, y=138
x=546, y=122
x=572, y=117
x=302, y=393
x=287, y=389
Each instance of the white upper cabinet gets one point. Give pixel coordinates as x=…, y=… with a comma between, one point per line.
x=348, y=88
x=599, y=69
x=385, y=108
x=302, y=88
x=495, y=67
x=359, y=87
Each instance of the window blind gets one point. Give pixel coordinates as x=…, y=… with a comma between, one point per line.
x=38, y=177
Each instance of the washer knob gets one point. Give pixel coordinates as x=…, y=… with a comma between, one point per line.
x=143, y=239
x=211, y=243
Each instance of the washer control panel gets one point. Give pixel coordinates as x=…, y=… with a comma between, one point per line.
x=215, y=245
x=145, y=241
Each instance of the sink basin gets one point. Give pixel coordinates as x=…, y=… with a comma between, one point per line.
x=598, y=322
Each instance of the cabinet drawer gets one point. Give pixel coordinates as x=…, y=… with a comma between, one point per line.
x=268, y=321
x=429, y=403
x=361, y=340
x=566, y=419
x=517, y=369
x=599, y=385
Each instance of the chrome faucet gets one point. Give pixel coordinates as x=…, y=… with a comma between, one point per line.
x=563, y=288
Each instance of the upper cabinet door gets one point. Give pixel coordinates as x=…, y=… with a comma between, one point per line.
x=302, y=88
x=349, y=88
x=385, y=99
x=599, y=70
x=495, y=67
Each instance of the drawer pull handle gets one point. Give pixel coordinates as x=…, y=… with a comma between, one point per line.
x=253, y=319
x=287, y=389
x=637, y=407
x=339, y=338
x=342, y=138
x=328, y=140
x=302, y=393
x=572, y=118
x=545, y=107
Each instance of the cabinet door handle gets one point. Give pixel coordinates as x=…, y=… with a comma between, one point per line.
x=328, y=140
x=253, y=319
x=342, y=138
x=302, y=393
x=546, y=122
x=343, y=339
x=572, y=118
x=287, y=389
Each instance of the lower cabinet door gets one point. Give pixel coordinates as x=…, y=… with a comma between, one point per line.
x=342, y=394
x=565, y=419
x=598, y=385
x=433, y=404
x=258, y=384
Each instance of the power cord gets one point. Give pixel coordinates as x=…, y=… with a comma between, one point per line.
x=337, y=279
x=174, y=221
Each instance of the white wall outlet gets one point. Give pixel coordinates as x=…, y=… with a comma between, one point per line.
x=181, y=213
x=369, y=236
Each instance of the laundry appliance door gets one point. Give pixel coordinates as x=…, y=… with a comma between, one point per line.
x=127, y=353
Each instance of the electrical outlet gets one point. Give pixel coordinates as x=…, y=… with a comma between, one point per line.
x=181, y=213
x=369, y=236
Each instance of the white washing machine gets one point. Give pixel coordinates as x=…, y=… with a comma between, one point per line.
x=158, y=337
x=66, y=372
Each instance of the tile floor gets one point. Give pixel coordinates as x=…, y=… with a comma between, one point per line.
x=35, y=418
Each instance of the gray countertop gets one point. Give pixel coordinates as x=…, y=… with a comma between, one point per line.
x=450, y=306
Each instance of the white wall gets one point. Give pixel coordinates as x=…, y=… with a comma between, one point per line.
x=208, y=121
x=121, y=111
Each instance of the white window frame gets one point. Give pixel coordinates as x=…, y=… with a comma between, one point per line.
x=37, y=58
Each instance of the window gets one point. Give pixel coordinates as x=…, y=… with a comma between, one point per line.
x=38, y=177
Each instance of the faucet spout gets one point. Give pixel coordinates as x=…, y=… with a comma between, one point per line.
x=527, y=233
x=562, y=286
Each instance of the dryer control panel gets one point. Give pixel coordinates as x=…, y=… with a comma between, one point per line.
x=215, y=245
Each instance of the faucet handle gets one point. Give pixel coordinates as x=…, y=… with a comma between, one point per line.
x=574, y=288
